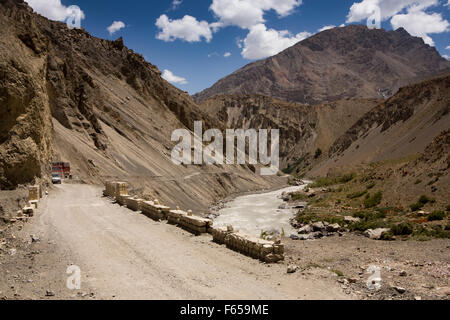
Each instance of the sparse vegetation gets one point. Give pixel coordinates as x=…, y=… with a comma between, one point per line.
x=371, y=185
x=422, y=233
x=403, y=229
x=356, y=195
x=423, y=200
x=437, y=216
x=415, y=207
x=318, y=153
x=294, y=166
x=326, y=181
x=339, y=273
x=374, y=200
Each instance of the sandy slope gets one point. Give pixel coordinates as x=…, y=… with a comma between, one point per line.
x=124, y=255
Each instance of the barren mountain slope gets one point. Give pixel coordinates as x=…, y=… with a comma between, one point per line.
x=303, y=129
x=403, y=125
x=348, y=62
x=68, y=96
x=402, y=145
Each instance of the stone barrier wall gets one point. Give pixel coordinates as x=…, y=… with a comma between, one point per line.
x=134, y=204
x=154, y=210
x=33, y=193
x=266, y=251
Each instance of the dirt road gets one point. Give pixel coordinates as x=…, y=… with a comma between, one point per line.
x=125, y=255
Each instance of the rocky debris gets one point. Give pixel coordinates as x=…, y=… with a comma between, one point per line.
x=403, y=273
x=319, y=226
x=349, y=219
x=376, y=234
x=333, y=227
x=316, y=230
x=292, y=269
x=34, y=238
x=294, y=237
x=49, y=293
x=400, y=290
x=306, y=229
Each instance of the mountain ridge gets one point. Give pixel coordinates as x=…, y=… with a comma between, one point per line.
x=348, y=62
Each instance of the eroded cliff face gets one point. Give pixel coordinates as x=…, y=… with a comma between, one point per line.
x=25, y=118
x=303, y=129
x=68, y=96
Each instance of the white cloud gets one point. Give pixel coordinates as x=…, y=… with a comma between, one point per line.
x=262, y=42
x=187, y=29
x=448, y=47
x=170, y=77
x=248, y=13
x=421, y=24
x=326, y=28
x=409, y=14
x=364, y=9
x=54, y=9
x=176, y=4
x=227, y=54
x=115, y=26
x=446, y=57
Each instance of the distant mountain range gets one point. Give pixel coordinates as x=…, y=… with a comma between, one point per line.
x=341, y=63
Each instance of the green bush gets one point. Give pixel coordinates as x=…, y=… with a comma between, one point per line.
x=448, y=209
x=374, y=200
x=318, y=153
x=436, y=216
x=387, y=236
x=425, y=200
x=299, y=197
x=371, y=185
x=327, y=182
x=418, y=181
x=403, y=229
x=356, y=195
x=366, y=225
x=416, y=207
x=436, y=232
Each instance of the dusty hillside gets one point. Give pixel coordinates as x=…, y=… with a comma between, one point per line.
x=303, y=129
x=403, y=125
x=69, y=96
x=349, y=62
x=401, y=146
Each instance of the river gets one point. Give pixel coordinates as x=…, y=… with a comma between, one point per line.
x=254, y=213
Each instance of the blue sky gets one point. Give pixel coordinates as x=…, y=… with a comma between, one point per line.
x=199, y=42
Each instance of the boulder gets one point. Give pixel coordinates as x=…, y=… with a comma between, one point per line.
x=319, y=226
x=375, y=234
x=294, y=237
x=333, y=227
x=292, y=269
x=349, y=219
x=306, y=229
